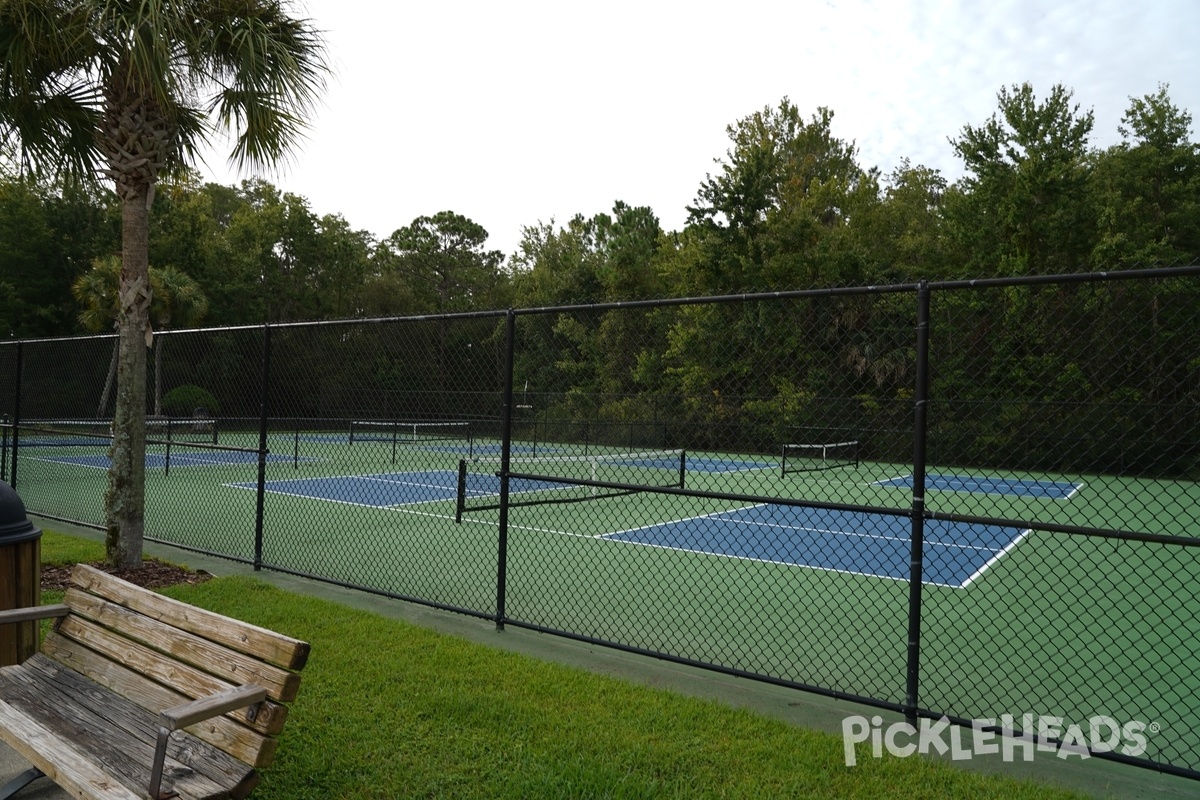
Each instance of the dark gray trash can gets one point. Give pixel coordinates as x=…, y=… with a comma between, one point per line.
x=20, y=576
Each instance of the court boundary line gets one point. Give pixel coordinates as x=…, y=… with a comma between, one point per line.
x=393, y=507
x=750, y=466
x=389, y=479
x=185, y=461
x=979, y=572
x=1076, y=486
x=996, y=554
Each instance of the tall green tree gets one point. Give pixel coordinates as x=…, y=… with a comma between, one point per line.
x=128, y=91
x=447, y=267
x=1024, y=206
x=1148, y=187
x=444, y=257
x=785, y=186
x=599, y=259
x=48, y=236
x=903, y=236
x=178, y=300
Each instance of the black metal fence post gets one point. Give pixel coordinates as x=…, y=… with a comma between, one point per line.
x=262, y=448
x=16, y=420
x=506, y=412
x=916, y=557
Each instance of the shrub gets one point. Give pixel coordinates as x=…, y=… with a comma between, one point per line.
x=183, y=400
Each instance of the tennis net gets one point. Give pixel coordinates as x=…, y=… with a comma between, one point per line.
x=396, y=431
x=810, y=457
x=98, y=432
x=566, y=479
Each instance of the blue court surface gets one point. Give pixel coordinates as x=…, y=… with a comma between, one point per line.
x=461, y=447
x=843, y=541
x=61, y=440
x=385, y=490
x=955, y=554
x=726, y=465
x=395, y=489
x=178, y=459
x=1011, y=487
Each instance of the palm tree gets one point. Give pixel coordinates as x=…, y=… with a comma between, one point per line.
x=178, y=299
x=96, y=291
x=129, y=90
x=184, y=304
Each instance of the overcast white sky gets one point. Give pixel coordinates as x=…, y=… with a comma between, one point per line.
x=516, y=112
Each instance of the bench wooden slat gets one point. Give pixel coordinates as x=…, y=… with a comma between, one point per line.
x=225, y=733
x=121, y=663
x=115, y=734
x=184, y=678
x=227, y=773
x=64, y=764
x=274, y=648
x=231, y=665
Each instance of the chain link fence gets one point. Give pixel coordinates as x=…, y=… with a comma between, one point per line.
x=975, y=500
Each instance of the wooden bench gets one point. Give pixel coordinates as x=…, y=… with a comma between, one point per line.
x=136, y=695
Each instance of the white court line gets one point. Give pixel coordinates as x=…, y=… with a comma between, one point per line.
x=805, y=528
x=996, y=557
x=892, y=481
x=790, y=564
x=181, y=461
x=253, y=488
x=62, y=462
x=391, y=482
x=838, y=532
x=714, y=515
x=1076, y=486
x=387, y=507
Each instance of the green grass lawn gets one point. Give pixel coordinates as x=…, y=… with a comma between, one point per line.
x=390, y=710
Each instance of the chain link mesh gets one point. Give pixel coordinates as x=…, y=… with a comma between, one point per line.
x=741, y=483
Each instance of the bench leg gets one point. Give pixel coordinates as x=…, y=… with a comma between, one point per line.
x=20, y=782
x=156, y=769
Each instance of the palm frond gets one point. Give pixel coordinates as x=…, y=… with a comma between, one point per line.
x=96, y=291
x=245, y=66
x=271, y=71
x=48, y=107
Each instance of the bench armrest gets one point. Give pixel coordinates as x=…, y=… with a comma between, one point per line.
x=33, y=613
x=181, y=716
x=185, y=714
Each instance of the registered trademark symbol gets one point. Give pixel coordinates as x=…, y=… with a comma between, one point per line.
x=1154, y=727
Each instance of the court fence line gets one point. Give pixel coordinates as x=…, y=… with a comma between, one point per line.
x=865, y=579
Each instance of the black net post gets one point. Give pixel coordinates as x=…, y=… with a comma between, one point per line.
x=262, y=448
x=461, y=493
x=916, y=557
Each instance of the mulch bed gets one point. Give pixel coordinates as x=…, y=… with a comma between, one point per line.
x=154, y=574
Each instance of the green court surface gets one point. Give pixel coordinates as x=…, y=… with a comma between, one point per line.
x=1028, y=622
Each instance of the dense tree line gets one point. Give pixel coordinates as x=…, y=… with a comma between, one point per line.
x=788, y=206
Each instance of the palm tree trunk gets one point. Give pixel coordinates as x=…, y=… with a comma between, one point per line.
x=125, y=499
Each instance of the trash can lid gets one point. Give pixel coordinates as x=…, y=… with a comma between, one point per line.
x=14, y=524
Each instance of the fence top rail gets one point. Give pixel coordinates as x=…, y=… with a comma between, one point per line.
x=1082, y=277
x=1190, y=270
